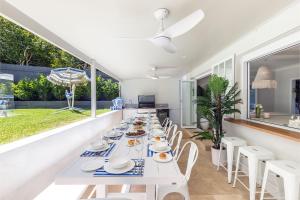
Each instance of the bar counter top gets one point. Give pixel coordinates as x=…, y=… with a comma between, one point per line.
x=288, y=134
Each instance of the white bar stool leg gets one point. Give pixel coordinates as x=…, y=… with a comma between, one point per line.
x=236, y=168
x=264, y=183
x=253, y=166
x=230, y=150
x=220, y=152
x=291, y=189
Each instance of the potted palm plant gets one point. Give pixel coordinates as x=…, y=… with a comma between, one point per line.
x=219, y=100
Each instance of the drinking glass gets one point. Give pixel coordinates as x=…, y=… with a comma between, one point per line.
x=139, y=146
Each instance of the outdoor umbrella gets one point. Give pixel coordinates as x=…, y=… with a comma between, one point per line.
x=69, y=77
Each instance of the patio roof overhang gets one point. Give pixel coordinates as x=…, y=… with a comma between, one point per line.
x=89, y=30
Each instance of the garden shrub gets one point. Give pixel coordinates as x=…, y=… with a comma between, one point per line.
x=58, y=92
x=40, y=89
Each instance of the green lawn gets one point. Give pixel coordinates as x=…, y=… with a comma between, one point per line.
x=26, y=122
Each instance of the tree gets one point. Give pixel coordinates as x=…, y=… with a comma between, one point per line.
x=110, y=89
x=19, y=46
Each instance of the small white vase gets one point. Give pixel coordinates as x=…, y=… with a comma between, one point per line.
x=204, y=124
x=215, y=156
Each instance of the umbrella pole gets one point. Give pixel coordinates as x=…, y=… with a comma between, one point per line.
x=73, y=95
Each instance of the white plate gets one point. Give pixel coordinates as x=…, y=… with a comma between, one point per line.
x=156, y=126
x=125, y=169
x=159, y=151
x=157, y=132
x=109, y=141
x=91, y=149
x=118, y=162
x=92, y=165
x=111, y=134
x=98, y=145
x=158, y=159
x=155, y=122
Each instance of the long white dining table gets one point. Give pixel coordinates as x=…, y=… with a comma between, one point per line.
x=154, y=172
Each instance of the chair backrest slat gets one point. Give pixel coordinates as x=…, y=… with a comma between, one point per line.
x=170, y=133
x=176, y=147
x=166, y=121
x=192, y=157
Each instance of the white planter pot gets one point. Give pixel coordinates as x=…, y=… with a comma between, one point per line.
x=204, y=124
x=215, y=156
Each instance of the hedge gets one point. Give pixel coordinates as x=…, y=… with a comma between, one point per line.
x=40, y=89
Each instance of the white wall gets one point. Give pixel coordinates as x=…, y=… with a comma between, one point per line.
x=30, y=165
x=283, y=92
x=165, y=91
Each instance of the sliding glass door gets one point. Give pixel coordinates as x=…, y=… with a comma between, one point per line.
x=188, y=102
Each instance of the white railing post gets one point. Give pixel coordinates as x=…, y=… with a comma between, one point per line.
x=93, y=89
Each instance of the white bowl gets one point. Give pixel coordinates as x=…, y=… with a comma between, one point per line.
x=118, y=162
x=113, y=133
x=160, y=146
x=98, y=145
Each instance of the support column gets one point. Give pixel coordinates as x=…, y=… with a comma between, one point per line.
x=93, y=89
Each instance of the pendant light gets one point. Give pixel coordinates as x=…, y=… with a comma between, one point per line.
x=264, y=79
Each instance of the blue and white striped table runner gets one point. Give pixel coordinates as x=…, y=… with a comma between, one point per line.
x=99, y=153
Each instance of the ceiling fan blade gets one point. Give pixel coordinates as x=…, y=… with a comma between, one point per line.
x=163, y=67
x=130, y=38
x=152, y=77
x=164, y=77
x=165, y=43
x=184, y=25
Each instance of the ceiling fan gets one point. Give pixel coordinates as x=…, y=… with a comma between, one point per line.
x=165, y=36
x=155, y=75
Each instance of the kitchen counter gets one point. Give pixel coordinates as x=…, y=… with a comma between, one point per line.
x=162, y=111
x=292, y=135
x=157, y=106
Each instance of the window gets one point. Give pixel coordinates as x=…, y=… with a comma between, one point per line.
x=225, y=69
x=274, y=88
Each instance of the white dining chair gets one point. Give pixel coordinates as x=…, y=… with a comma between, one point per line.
x=182, y=187
x=168, y=125
x=165, y=122
x=175, y=143
x=170, y=132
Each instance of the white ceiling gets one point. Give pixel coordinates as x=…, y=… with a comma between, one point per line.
x=279, y=60
x=92, y=26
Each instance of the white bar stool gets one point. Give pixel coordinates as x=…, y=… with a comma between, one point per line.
x=255, y=155
x=290, y=172
x=230, y=143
